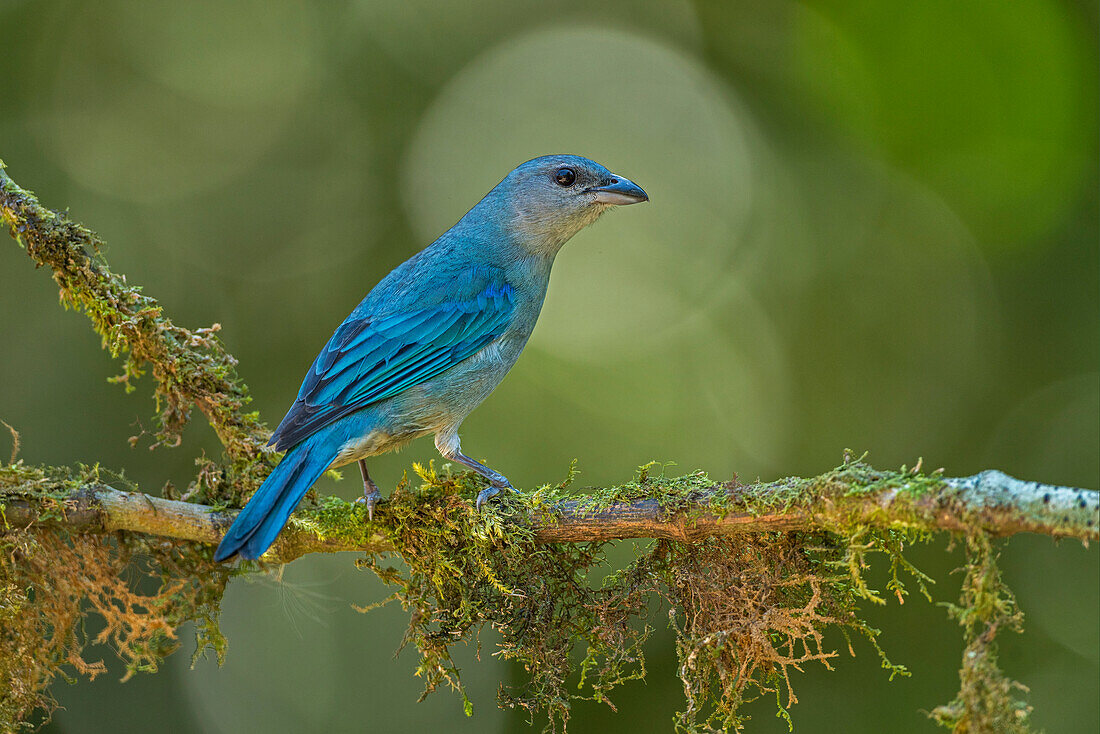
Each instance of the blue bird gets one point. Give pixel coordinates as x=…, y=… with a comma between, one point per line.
x=431, y=340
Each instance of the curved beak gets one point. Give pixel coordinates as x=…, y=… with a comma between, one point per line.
x=618, y=191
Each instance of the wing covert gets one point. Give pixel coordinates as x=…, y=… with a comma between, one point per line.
x=370, y=358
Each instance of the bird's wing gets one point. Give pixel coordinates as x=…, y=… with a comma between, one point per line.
x=371, y=358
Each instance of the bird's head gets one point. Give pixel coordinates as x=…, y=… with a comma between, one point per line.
x=549, y=199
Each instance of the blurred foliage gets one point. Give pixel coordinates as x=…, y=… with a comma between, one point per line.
x=870, y=226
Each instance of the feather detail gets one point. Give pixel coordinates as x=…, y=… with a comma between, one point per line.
x=370, y=358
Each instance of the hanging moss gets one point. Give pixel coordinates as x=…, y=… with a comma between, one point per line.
x=988, y=700
x=51, y=583
x=746, y=610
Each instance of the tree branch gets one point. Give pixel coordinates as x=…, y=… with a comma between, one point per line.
x=191, y=367
x=461, y=578
x=853, y=494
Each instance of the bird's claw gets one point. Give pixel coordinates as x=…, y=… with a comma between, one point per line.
x=491, y=491
x=371, y=495
x=370, y=499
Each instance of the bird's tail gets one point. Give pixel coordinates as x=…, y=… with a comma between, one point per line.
x=266, y=513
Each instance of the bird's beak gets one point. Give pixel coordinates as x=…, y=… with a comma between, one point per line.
x=619, y=190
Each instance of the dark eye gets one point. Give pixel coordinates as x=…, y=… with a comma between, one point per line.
x=565, y=177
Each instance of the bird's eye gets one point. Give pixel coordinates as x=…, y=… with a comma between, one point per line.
x=565, y=177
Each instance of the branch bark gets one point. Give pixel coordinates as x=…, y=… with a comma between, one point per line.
x=991, y=501
x=192, y=368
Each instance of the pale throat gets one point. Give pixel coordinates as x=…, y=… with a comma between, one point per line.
x=545, y=233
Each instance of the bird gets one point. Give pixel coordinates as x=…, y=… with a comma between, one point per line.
x=430, y=341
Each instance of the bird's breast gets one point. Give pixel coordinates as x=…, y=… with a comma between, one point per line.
x=452, y=395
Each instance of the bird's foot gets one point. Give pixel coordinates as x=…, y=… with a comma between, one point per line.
x=370, y=498
x=371, y=493
x=497, y=481
x=494, y=488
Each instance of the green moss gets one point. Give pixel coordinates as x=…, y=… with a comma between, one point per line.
x=465, y=570
x=747, y=609
x=51, y=581
x=332, y=518
x=191, y=367
x=988, y=700
x=760, y=604
x=50, y=488
x=842, y=487
x=672, y=493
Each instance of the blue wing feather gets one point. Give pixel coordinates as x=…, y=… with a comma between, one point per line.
x=373, y=357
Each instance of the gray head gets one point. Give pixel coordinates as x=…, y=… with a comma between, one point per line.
x=549, y=199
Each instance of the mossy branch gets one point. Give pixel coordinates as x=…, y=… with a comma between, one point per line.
x=682, y=509
x=191, y=367
x=753, y=575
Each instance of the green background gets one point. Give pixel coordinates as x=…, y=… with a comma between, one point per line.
x=872, y=226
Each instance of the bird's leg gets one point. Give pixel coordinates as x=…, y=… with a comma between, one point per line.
x=371, y=494
x=451, y=449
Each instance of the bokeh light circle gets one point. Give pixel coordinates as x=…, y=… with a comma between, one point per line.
x=429, y=39
x=644, y=110
x=132, y=116
x=650, y=297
